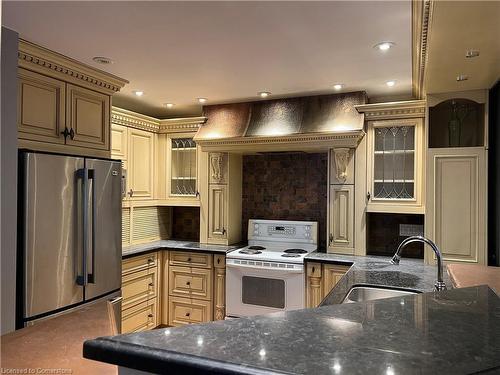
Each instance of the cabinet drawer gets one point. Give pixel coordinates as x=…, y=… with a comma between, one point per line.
x=190, y=282
x=184, y=311
x=139, y=262
x=180, y=258
x=140, y=317
x=139, y=286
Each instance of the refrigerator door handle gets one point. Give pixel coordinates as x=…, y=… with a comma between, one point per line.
x=91, y=275
x=82, y=174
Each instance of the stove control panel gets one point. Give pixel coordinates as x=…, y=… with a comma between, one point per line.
x=275, y=230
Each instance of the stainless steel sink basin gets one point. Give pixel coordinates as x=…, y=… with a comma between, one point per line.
x=370, y=293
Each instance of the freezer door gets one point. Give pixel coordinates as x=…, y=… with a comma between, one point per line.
x=51, y=232
x=104, y=251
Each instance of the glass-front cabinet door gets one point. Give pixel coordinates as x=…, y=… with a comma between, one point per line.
x=394, y=163
x=182, y=167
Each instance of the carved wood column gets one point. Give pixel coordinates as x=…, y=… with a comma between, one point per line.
x=219, y=287
x=314, y=293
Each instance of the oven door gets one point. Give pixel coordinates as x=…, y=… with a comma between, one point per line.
x=263, y=287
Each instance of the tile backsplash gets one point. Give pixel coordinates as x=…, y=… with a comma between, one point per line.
x=186, y=223
x=384, y=232
x=286, y=186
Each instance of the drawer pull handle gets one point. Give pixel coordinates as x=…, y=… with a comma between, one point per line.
x=187, y=314
x=150, y=284
x=189, y=260
x=150, y=315
x=150, y=260
x=188, y=283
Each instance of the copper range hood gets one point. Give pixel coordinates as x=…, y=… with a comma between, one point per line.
x=312, y=124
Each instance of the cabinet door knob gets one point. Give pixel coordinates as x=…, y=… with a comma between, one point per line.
x=187, y=314
x=368, y=196
x=189, y=259
x=65, y=133
x=331, y=238
x=150, y=315
x=223, y=230
x=188, y=283
x=197, y=194
x=71, y=133
x=151, y=284
x=131, y=192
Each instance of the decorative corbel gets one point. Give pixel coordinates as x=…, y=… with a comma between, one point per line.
x=217, y=164
x=342, y=156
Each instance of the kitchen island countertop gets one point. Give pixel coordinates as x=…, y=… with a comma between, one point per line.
x=451, y=332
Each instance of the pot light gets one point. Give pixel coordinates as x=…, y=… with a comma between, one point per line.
x=264, y=94
x=390, y=83
x=202, y=100
x=138, y=92
x=384, y=46
x=169, y=105
x=338, y=86
x=471, y=53
x=102, y=60
x=462, y=77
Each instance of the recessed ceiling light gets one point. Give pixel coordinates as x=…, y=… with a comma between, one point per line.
x=462, y=77
x=202, y=100
x=102, y=60
x=384, y=46
x=138, y=92
x=169, y=105
x=264, y=94
x=471, y=53
x=338, y=86
x=390, y=83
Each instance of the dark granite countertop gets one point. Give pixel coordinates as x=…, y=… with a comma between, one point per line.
x=451, y=332
x=411, y=274
x=176, y=245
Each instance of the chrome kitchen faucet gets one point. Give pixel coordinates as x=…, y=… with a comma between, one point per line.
x=440, y=285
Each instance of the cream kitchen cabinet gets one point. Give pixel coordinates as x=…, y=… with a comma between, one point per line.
x=41, y=107
x=341, y=219
x=63, y=106
x=395, y=165
x=119, y=142
x=321, y=278
x=88, y=118
x=182, y=182
x=141, y=164
x=456, y=204
x=221, y=222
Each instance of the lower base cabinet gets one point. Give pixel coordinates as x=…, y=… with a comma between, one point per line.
x=183, y=311
x=320, y=280
x=172, y=288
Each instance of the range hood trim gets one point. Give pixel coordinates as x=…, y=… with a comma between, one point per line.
x=308, y=142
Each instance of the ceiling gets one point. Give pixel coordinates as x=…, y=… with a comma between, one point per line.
x=226, y=51
x=456, y=27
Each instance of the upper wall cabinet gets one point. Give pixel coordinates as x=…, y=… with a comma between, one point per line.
x=41, y=110
x=182, y=167
x=63, y=105
x=141, y=163
x=119, y=139
x=88, y=117
x=395, y=157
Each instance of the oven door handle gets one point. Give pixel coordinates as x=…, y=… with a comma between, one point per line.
x=254, y=267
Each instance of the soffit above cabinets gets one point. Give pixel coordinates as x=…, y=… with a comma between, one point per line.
x=456, y=27
x=313, y=124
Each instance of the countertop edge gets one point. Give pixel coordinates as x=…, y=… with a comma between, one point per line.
x=162, y=361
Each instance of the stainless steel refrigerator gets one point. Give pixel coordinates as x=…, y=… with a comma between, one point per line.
x=69, y=233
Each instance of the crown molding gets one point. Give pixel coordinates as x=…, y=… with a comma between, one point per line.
x=42, y=60
x=404, y=109
x=120, y=116
x=310, y=142
x=185, y=124
x=421, y=27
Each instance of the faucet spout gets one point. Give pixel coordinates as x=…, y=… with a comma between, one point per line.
x=440, y=285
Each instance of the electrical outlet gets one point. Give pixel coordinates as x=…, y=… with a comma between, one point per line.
x=407, y=230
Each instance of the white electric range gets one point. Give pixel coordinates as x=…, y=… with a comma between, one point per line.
x=268, y=274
